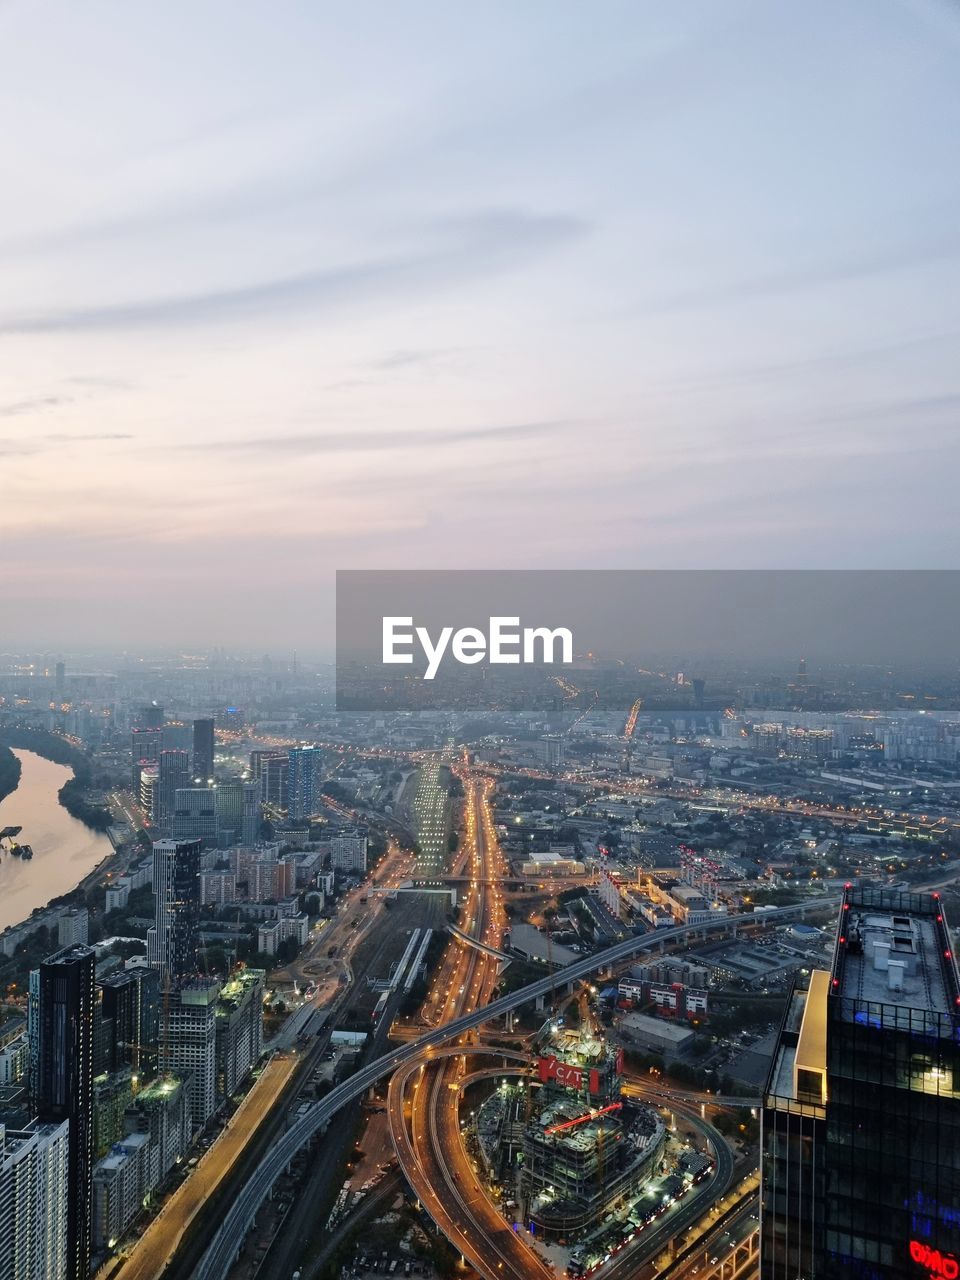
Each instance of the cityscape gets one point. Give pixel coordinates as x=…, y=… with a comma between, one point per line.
x=654, y=977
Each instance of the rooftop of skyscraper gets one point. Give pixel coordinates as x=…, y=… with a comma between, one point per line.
x=893, y=949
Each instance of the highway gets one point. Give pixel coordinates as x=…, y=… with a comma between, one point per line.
x=153, y=1251
x=230, y=1232
x=429, y=1147
x=439, y=1173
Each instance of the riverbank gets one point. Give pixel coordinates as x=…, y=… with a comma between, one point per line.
x=9, y=773
x=72, y=795
x=65, y=851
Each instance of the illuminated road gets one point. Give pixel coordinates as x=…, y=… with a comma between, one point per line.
x=150, y=1255
x=429, y=1146
x=229, y=1234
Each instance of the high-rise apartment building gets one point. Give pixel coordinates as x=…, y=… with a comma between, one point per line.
x=173, y=941
x=239, y=1029
x=203, y=744
x=304, y=782
x=348, y=852
x=65, y=1083
x=34, y=1197
x=861, y=1114
x=188, y=1044
x=131, y=1020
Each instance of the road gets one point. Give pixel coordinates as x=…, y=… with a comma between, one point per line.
x=229, y=1234
x=158, y=1244
x=428, y=1144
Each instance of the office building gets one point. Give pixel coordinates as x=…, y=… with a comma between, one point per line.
x=203, y=742
x=173, y=773
x=65, y=1083
x=195, y=815
x=304, y=782
x=150, y=717
x=145, y=748
x=272, y=771
x=861, y=1114
x=173, y=942
x=238, y=812
x=34, y=1200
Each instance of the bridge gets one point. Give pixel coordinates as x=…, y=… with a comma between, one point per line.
x=480, y=946
x=229, y=1235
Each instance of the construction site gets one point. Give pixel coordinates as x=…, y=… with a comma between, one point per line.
x=570, y=1153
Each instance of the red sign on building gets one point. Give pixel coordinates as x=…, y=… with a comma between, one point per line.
x=553, y=1069
x=939, y=1266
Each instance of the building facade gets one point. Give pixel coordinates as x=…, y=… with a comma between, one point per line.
x=65, y=1083
x=173, y=942
x=861, y=1116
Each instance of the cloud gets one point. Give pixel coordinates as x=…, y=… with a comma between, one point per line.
x=20, y=407
x=463, y=248
x=19, y=447
x=376, y=441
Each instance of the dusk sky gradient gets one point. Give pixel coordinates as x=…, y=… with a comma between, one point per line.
x=289, y=288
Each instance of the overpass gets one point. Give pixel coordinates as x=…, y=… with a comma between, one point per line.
x=480, y=946
x=229, y=1235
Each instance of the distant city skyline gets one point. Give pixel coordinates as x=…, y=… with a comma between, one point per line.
x=293, y=290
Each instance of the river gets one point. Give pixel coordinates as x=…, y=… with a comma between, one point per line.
x=64, y=850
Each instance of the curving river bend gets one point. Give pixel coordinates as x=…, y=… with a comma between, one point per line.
x=64, y=850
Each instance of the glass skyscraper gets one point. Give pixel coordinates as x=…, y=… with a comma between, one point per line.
x=304, y=782
x=861, y=1116
x=65, y=1083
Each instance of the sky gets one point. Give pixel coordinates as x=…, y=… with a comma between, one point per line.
x=290, y=288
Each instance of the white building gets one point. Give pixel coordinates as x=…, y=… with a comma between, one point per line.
x=188, y=1044
x=73, y=927
x=33, y=1202
x=348, y=851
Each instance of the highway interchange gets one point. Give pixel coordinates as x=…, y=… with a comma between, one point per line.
x=229, y=1234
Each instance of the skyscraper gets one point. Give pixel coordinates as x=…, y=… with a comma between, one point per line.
x=172, y=943
x=304, y=782
x=145, y=748
x=131, y=1016
x=275, y=780
x=861, y=1115
x=203, y=740
x=174, y=773
x=195, y=815
x=65, y=1083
